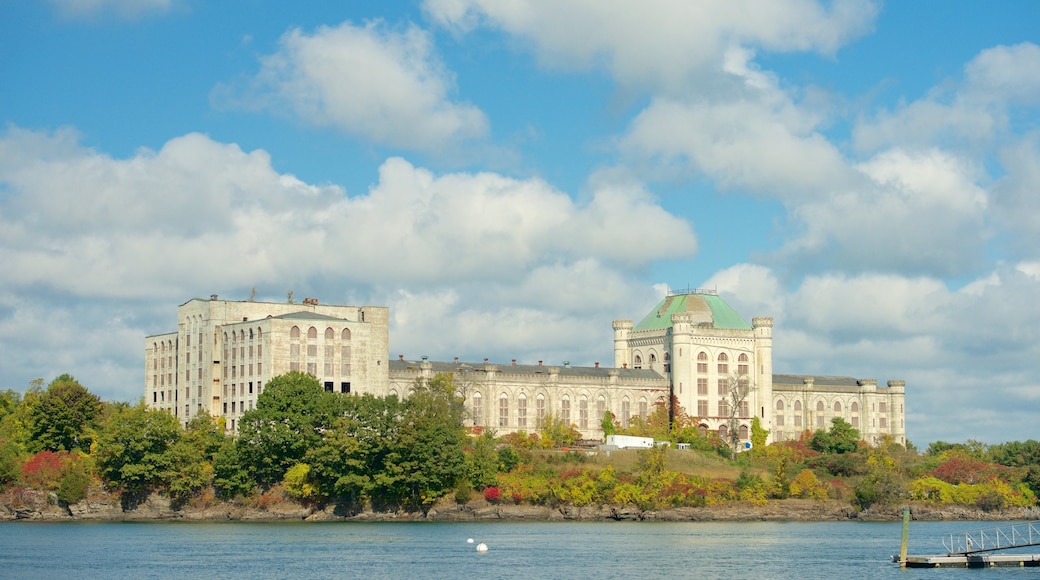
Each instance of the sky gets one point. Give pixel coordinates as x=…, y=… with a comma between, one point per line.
x=508, y=177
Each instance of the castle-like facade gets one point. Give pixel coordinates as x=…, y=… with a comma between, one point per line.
x=693, y=346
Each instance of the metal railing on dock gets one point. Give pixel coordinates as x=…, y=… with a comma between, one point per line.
x=1016, y=535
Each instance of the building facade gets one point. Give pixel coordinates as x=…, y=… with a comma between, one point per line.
x=223, y=352
x=692, y=346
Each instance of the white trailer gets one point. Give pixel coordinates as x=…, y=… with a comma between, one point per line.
x=630, y=442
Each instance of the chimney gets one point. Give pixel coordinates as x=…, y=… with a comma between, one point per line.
x=597, y=365
x=514, y=362
x=456, y=360
x=400, y=357
x=212, y=296
x=539, y=363
x=485, y=360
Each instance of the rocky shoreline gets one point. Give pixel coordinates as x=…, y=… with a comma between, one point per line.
x=38, y=506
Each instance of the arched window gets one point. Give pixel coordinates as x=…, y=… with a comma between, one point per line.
x=626, y=412
x=723, y=432
x=702, y=362
x=854, y=411
x=477, y=409
x=743, y=432
x=294, y=332
x=667, y=363
x=653, y=358
x=703, y=429
x=637, y=362
x=820, y=419
x=642, y=408
x=583, y=412
x=539, y=411
x=312, y=332
x=779, y=419
x=345, y=335
x=837, y=408
x=797, y=413
x=330, y=334
x=521, y=411
x=503, y=410
x=250, y=334
x=259, y=333
x=601, y=407
x=742, y=364
x=565, y=410
x=723, y=360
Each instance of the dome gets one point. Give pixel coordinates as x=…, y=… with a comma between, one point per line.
x=707, y=308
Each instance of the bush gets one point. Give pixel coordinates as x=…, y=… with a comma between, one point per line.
x=492, y=494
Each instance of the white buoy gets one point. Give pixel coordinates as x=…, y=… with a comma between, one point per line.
x=469, y=540
x=482, y=547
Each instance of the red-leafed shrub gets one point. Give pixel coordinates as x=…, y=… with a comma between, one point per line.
x=44, y=470
x=958, y=468
x=492, y=494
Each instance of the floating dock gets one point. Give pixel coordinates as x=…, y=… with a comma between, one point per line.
x=974, y=561
x=976, y=549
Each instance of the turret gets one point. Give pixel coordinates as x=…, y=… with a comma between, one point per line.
x=622, y=330
x=763, y=328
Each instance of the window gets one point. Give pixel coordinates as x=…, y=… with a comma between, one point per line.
x=329, y=387
x=539, y=410
x=742, y=365
x=626, y=412
x=882, y=408
x=503, y=410
x=330, y=334
x=779, y=419
x=565, y=410
x=723, y=361
x=330, y=351
x=642, y=408
x=723, y=432
x=743, y=432
x=797, y=413
x=345, y=335
x=744, y=409
x=295, y=332
x=521, y=411
x=312, y=333
x=312, y=368
x=312, y=350
x=477, y=410
x=344, y=387
x=820, y=419
x=637, y=362
x=723, y=386
x=583, y=412
x=854, y=410
x=294, y=351
x=837, y=408
x=702, y=408
x=723, y=408
x=702, y=362
x=601, y=407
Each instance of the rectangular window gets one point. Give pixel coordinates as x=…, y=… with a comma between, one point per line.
x=779, y=420
x=702, y=387
x=626, y=413
x=225, y=408
x=601, y=408
x=723, y=368
x=881, y=407
x=328, y=386
x=642, y=410
x=883, y=422
x=294, y=365
x=723, y=386
x=344, y=387
x=188, y=355
x=742, y=370
x=328, y=368
x=312, y=368
x=259, y=350
x=702, y=367
x=744, y=409
x=232, y=406
x=344, y=369
x=250, y=369
x=259, y=369
x=798, y=420
x=702, y=408
x=330, y=351
x=312, y=350
x=250, y=387
x=344, y=352
x=723, y=408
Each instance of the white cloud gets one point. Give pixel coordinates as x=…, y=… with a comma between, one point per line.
x=129, y=9
x=458, y=256
x=663, y=44
x=374, y=82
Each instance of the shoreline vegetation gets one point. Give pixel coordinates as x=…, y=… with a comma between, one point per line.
x=108, y=507
x=304, y=454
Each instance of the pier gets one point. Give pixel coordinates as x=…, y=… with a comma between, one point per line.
x=978, y=548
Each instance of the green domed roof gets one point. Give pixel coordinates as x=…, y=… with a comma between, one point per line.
x=707, y=309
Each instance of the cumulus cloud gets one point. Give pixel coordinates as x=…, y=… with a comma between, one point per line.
x=374, y=82
x=664, y=44
x=458, y=256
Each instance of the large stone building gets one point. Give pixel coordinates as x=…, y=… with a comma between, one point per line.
x=692, y=345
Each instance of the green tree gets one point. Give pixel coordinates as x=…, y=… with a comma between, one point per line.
x=842, y=438
x=482, y=460
x=289, y=418
x=608, y=424
x=759, y=434
x=230, y=476
x=63, y=418
x=190, y=460
x=132, y=448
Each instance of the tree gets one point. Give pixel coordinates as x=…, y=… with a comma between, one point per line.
x=63, y=418
x=482, y=460
x=289, y=418
x=842, y=438
x=759, y=434
x=738, y=390
x=132, y=448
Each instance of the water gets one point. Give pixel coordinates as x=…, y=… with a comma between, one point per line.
x=427, y=551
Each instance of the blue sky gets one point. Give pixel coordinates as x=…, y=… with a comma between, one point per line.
x=510, y=177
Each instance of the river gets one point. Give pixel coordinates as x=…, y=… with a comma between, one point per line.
x=427, y=551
